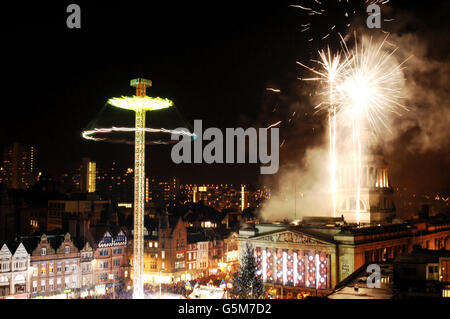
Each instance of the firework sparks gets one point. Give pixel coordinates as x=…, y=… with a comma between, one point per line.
x=364, y=86
x=273, y=90
x=274, y=124
x=371, y=83
x=338, y=14
x=370, y=89
x=330, y=68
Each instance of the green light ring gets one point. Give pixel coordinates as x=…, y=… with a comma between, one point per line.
x=135, y=103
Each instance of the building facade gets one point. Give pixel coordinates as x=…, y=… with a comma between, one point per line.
x=55, y=264
x=312, y=259
x=19, y=166
x=87, y=263
x=14, y=273
x=111, y=264
x=88, y=175
x=164, y=251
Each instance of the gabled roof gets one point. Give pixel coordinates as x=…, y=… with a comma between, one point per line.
x=99, y=231
x=294, y=235
x=422, y=256
x=5, y=253
x=21, y=250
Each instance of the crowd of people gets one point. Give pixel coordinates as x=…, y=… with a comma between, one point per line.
x=181, y=288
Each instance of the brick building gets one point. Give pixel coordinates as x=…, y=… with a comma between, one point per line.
x=55, y=266
x=111, y=262
x=165, y=241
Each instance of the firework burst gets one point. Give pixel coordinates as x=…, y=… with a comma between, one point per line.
x=370, y=89
x=329, y=70
x=371, y=83
x=363, y=86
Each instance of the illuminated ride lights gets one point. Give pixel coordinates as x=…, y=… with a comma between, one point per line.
x=94, y=134
x=135, y=103
x=139, y=103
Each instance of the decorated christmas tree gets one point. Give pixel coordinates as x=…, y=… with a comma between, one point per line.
x=246, y=284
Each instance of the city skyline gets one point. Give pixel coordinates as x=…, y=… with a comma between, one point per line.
x=288, y=149
x=264, y=40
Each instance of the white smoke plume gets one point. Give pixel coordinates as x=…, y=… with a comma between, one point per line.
x=421, y=130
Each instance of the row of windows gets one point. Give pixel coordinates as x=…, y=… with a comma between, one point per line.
x=16, y=265
x=44, y=250
x=191, y=256
x=152, y=265
x=153, y=244
x=179, y=264
x=180, y=244
x=51, y=285
x=87, y=255
x=58, y=268
x=191, y=266
x=155, y=255
x=104, y=252
x=115, y=251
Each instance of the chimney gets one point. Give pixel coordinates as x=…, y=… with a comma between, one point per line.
x=73, y=227
x=84, y=227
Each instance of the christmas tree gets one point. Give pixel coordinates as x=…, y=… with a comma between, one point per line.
x=246, y=284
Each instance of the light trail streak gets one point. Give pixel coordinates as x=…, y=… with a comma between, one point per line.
x=90, y=134
x=275, y=124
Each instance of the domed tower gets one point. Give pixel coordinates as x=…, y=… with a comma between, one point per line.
x=376, y=193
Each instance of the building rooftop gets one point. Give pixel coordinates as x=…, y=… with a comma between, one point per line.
x=422, y=256
x=355, y=286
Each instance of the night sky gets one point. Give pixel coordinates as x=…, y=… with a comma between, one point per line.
x=214, y=59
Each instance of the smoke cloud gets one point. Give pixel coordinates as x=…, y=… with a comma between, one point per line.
x=418, y=135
